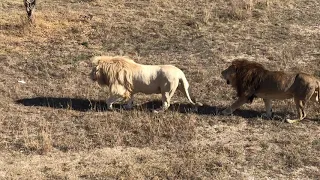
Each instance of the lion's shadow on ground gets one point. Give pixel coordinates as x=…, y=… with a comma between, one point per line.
x=84, y=105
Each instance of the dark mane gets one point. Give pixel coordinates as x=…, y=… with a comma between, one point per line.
x=249, y=75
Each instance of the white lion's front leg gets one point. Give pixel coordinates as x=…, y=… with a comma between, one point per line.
x=239, y=102
x=118, y=93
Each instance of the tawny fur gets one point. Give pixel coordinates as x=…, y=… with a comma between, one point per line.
x=251, y=80
x=124, y=77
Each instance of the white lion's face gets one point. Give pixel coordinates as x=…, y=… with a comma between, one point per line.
x=97, y=75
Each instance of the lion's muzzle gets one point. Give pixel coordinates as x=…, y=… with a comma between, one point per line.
x=223, y=76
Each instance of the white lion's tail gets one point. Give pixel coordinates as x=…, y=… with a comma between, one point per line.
x=185, y=85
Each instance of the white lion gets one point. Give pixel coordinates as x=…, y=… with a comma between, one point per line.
x=124, y=77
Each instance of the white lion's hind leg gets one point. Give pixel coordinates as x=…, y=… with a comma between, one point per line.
x=165, y=103
x=167, y=93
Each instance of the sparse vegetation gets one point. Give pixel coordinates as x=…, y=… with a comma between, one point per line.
x=55, y=125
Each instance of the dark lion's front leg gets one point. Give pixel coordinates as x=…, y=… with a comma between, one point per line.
x=268, y=106
x=239, y=102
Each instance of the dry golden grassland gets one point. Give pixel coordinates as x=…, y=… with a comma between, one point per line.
x=56, y=126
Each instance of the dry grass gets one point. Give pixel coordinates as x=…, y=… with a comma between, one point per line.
x=55, y=126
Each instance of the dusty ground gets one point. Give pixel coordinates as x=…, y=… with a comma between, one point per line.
x=55, y=126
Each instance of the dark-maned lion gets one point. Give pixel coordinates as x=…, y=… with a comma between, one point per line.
x=124, y=77
x=251, y=80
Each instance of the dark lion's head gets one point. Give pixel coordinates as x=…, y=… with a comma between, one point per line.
x=245, y=76
x=229, y=75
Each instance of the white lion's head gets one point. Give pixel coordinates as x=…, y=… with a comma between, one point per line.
x=108, y=70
